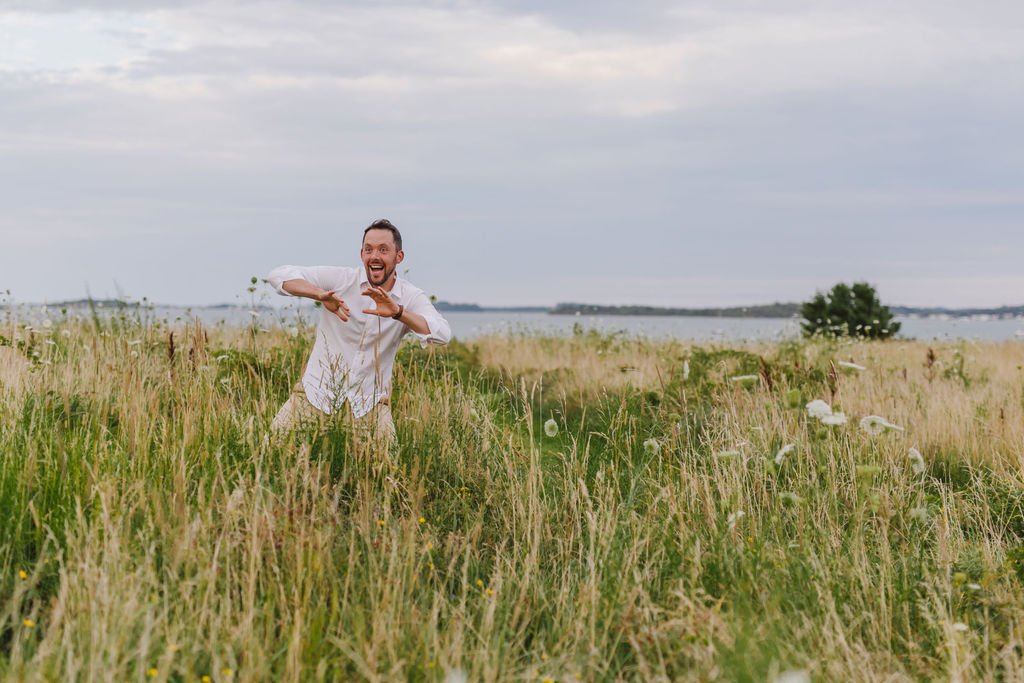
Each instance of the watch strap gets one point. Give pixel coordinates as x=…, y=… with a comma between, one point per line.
x=401, y=312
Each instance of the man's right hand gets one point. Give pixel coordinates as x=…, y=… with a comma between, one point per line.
x=335, y=304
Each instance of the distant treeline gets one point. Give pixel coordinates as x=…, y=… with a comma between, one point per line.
x=776, y=310
x=1001, y=312
x=448, y=306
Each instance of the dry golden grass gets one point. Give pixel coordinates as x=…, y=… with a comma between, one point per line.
x=163, y=537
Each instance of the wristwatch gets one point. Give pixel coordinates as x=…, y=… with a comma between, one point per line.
x=401, y=312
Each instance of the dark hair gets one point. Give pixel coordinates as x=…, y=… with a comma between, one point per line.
x=385, y=224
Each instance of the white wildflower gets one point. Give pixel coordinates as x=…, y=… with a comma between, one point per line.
x=254, y=314
x=783, y=452
x=652, y=447
x=851, y=366
x=819, y=409
x=875, y=425
x=293, y=331
x=455, y=676
x=961, y=627
x=974, y=586
x=790, y=498
x=734, y=518
x=793, y=676
x=916, y=461
x=834, y=420
x=551, y=427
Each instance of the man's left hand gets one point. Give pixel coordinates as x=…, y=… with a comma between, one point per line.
x=386, y=306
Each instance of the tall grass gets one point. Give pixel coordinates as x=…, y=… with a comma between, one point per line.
x=162, y=536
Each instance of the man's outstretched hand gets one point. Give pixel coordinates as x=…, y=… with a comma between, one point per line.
x=335, y=304
x=386, y=306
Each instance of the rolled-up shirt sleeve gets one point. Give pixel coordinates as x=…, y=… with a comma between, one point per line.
x=440, y=331
x=324, y=277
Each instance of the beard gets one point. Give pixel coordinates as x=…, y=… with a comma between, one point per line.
x=381, y=278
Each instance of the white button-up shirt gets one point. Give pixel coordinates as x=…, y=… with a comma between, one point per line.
x=352, y=361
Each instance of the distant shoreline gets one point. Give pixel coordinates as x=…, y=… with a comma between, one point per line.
x=762, y=311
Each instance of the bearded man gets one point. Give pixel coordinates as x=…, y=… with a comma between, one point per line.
x=354, y=352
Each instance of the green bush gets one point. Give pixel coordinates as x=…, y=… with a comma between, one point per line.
x=848, y=311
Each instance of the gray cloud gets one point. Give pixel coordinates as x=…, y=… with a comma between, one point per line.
x=686, y=154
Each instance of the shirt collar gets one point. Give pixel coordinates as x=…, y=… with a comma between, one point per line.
x=397, y=292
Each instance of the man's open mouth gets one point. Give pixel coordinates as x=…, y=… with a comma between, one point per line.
x=376, y=269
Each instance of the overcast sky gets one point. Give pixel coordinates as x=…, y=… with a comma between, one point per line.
x=686, y=153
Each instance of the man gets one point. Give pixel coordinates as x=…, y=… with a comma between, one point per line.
x=354, y=352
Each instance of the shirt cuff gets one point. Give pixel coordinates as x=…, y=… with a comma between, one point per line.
x=440, y=332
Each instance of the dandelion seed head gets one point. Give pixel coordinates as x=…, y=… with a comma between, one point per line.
x=652, y=447
x=551, y=427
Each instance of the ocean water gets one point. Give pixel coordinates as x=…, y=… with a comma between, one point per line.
x=467, y=326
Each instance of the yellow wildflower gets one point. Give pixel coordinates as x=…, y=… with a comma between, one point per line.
x=228, y=673
x=479, y=583
x=380, y=522
x=205, y=679
x=152, y=673
x=28, y=623
x=423, y=520
x=22, y=574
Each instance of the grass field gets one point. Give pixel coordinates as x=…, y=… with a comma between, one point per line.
x=583, y=508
